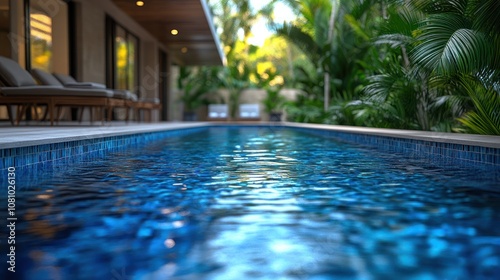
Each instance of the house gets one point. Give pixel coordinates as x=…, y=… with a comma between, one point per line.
x=124, y=44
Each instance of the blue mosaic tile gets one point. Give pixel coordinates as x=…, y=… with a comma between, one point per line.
x=457, y=153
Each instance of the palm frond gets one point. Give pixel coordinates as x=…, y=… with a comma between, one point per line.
x=486, y=16
x=303, y=40
x=403, y=20
x=458, y=7
x=448, y=45
x=393, y=40
x=485, y=119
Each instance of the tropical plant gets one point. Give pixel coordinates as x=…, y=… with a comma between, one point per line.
x=459, y=39
x=485, y=119
x=335, y=36
x=195, y=84
x=235, y=78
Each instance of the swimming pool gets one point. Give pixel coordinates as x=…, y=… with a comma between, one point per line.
x=259, y=203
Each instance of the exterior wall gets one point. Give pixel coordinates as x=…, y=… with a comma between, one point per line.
x=16, y=35
x=91, y=44
x=60, y=57
x=175, y=106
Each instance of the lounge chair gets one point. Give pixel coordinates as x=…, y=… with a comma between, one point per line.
x=131, y=99
x=146, y=104
x=249, y=112
x=217, y=112
x=19, y=88
x=120, y=98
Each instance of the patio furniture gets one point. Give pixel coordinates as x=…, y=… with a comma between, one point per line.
x=249, y=112
x=20, y=89
x=217, y=112
x=120, y=97
x=131, y=99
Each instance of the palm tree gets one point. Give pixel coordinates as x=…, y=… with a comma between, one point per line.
x=314, y=37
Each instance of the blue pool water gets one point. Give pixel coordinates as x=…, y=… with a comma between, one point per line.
x=258, y=203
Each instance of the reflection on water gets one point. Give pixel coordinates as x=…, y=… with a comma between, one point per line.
x=260, y=203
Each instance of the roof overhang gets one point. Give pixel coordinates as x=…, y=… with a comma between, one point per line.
x=196, y=43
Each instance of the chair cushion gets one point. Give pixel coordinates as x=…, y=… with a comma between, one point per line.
x=150, y=100
x=45, y=78
x=35, y=91
x=31, y=91
x=216, y=111
x=85, y=85
x=249, y=111
x=65, y=79
x=122, y=94
x=12, y=75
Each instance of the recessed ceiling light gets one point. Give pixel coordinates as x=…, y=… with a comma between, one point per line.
x=139, y=3
x=184, y=50
x=174, y=32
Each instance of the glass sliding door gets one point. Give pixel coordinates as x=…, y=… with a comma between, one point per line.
x=123, y=57
x=133, y=62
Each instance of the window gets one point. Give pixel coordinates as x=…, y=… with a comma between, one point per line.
x=48, y=36
x=40, y=40
x=123, y=57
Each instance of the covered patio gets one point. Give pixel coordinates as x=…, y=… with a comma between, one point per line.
x=134, y=46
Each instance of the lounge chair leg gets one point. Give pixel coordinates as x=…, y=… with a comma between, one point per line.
x=51, y=108
x=45, y=113
x=59, y=113
x=20, y=112
x=34, y=109
x=9, y=113
x=110, y=114
x=80, y=115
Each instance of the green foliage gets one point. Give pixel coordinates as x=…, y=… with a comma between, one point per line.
x=235, y=78
x=196, y=83
x=485, y=119
x=448, y=45
x=274, y=101
x=382, y=63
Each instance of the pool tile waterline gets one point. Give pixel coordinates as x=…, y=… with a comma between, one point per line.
x=75, y=151
x=456, y=153
x=88, y=149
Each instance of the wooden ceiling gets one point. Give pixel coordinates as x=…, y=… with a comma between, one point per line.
x=197, y=43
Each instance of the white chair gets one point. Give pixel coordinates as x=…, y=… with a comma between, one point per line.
x=217, y=111
x=249, y=112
